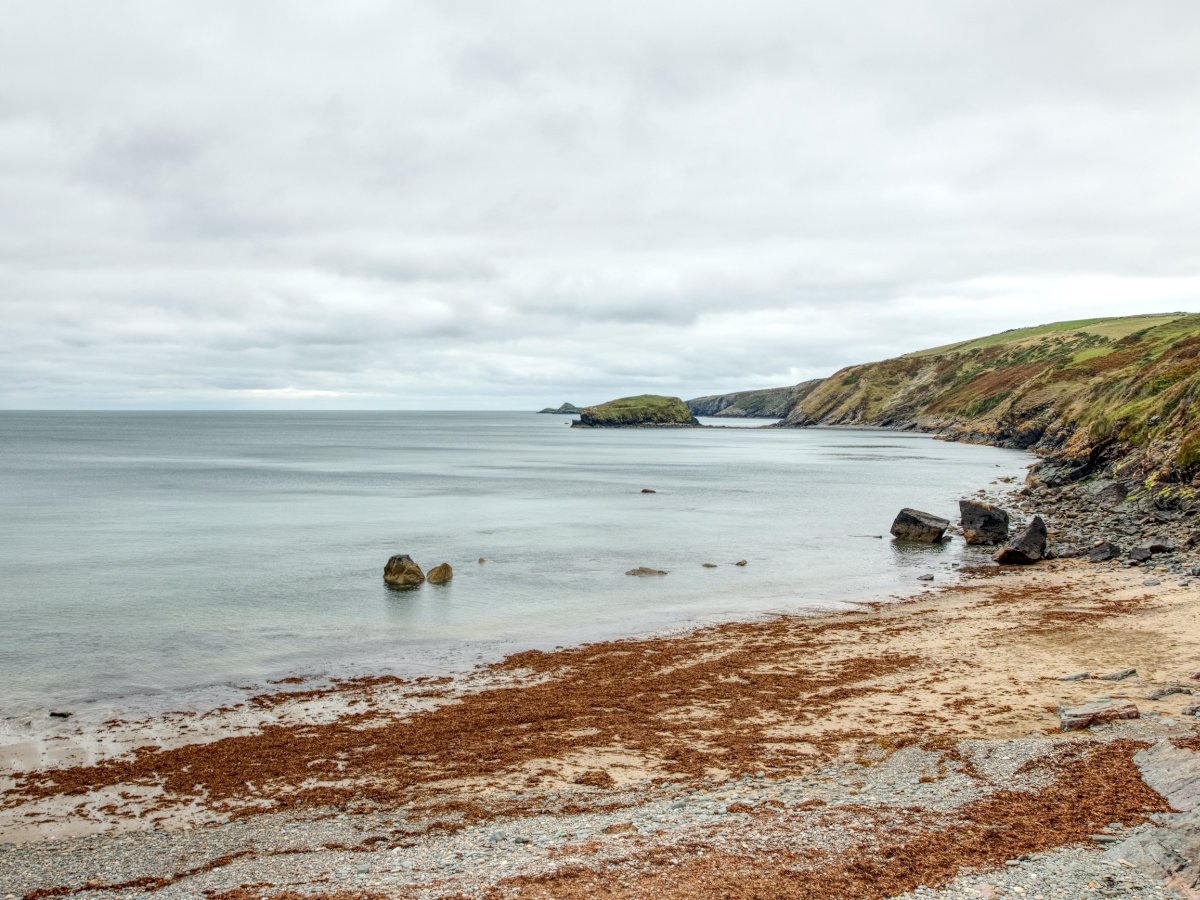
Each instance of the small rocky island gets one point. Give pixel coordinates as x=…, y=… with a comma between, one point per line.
x=567, y=409
x=643, y=411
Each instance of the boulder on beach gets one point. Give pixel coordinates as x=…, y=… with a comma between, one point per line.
x=1103, y=552
x=645, y=572
x=440, y=574
x=1027, y=547
x=401, y=571
x=919, y=527
x=1102, y=711
x=983, y=523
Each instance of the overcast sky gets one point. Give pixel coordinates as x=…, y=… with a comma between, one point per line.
x=511, y=204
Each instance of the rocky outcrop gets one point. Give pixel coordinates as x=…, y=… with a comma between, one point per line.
x=440, y=574
x=644, y=411
x=645, y=572
x=401, y=572
x=768, y=403
x=1027, y=546
x=983, y=523
x=919, y=527
x=567, y=409
x=1077, y=718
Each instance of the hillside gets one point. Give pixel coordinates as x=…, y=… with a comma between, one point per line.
x=1117, y=395
x=768, y=403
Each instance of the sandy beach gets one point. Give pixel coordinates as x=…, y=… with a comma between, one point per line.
x=859, y=754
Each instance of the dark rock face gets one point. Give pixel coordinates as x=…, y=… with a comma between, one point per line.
x=1104, y=552
x=1112, y=494
x=1027, y=547
x=1140, y=554
x=983, y=523
x=919, y=527
x=401, y=571
x=440, y=574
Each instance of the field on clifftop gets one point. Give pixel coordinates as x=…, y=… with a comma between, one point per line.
x=1115, y=394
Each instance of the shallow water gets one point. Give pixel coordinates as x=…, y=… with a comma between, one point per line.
x=145, y=557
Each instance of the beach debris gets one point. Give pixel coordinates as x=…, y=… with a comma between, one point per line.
x=919, y=527
x=645, y=572
x=1077, y=676
x=1104, y=551
x=60, y=714
x=402, y=572
x=742, y=562
x=925, y=577
x=983, y=523
x=440, y=574
x=1167, y=691
x=1119, y=675
x=1027, y=546
x=1100, y=712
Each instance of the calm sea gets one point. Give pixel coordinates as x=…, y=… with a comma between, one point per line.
x=149, y=558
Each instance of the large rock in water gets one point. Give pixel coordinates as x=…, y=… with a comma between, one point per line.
x=983, y=523
x=644, y=411
x=919, y=527
x=440, y=574
x=401, y=571
x=1027, y=547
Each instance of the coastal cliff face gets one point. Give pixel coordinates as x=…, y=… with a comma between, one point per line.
x=1118, y=396
x=643, y=411
x=768, y=403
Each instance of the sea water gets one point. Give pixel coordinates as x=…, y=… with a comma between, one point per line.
x=147, y=557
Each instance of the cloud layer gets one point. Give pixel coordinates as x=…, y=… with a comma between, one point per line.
x=502, y=205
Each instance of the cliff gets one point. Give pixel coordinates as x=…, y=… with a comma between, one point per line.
x=768, y=403
x=1116, y=395
x=644, y=411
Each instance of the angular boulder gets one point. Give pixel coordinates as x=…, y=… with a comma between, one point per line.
x=401, y=571
x=983, y=523
x=1103, y=552
x=1027, y=546
x=1079, y=717
x=919, y=527
x=440, y=574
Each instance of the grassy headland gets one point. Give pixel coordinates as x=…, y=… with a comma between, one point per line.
x=1117, y=396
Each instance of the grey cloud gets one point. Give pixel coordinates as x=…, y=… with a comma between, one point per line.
x=393, y=204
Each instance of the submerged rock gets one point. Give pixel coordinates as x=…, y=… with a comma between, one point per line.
x=1027, y=547
x=401, y=571
x=983, y=523
x=440, y=574
x=645, y=572
x=919, y=527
